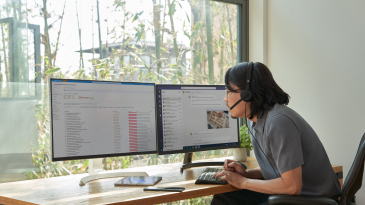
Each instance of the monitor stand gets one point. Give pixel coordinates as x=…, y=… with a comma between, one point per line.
x=96, y=172
x=188, y=162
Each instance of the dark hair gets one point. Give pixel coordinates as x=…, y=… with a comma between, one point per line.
x=265, y=92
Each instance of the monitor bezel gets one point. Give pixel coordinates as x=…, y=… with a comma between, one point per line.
x=187, y=150
x=92, y=156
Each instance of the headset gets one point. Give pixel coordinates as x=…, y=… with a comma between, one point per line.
x=246, y=95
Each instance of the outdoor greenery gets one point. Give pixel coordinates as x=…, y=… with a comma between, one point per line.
x=206, y=200
x=245, y=139
x=194, y=48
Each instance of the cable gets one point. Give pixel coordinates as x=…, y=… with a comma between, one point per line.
x=259, y=144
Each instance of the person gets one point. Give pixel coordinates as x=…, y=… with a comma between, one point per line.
x=291, y=158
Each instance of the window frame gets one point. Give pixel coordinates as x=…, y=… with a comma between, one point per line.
x=243, y=25
x=13, y=57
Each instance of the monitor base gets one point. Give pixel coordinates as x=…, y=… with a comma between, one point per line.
x=96, y=172
x=84, y=180
x=188, y=162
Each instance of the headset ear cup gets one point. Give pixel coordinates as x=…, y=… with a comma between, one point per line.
x=246, y=95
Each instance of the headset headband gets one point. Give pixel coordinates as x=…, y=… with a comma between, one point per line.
x=248, y=78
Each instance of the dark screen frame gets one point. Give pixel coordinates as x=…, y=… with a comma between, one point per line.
x=187, y=150
x=93, y=156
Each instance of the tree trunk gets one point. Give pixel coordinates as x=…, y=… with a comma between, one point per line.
x=100, y=45
x=78, y=26
x=107, y=32
x=92, y=35
x=156, y=23
x=59, y=33
x=163, y=23
x=171, y=13
x=230, y=36
x=176, y=51
x=222, y=62
x=202, y=44
x=47, y=51
x=209, y=41
x=195, y=20
x=123, y=49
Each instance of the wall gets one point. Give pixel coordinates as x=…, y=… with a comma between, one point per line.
x=316, y=50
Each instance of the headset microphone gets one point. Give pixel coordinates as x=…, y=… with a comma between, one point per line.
x=235, y=104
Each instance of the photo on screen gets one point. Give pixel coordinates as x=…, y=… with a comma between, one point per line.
x=217, y=119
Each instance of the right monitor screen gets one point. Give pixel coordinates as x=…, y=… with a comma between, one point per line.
x=194, y=118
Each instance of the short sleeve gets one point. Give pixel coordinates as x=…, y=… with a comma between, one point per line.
x=285, y=142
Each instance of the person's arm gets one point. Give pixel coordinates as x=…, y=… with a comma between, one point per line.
x=289, y=183
x=234, y=166
x=254, y=173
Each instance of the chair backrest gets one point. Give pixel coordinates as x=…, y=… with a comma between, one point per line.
x=353, y=179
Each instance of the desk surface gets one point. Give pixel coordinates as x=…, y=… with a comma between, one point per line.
x=66, y=189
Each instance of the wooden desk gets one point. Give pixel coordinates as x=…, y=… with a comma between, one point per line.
x=66, y=189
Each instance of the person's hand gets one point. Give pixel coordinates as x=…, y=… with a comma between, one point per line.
x=234, y=166
x=233, y=178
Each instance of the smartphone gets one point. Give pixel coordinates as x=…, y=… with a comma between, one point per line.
x=176, y=189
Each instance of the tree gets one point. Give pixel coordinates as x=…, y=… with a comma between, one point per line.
x=78, y=25
x=209, y=41
x=176, y=51
x=156, y=22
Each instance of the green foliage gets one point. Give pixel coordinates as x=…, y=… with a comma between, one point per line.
x=113, y=163
x=136, y=16
x=205, y=200
x=172, y=8
x=245, y=139
x=119, y=3
x=53, y=70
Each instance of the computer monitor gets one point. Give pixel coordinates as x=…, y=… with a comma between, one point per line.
x=193, y=118
x=96, y=119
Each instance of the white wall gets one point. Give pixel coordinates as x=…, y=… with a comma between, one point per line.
x=316, y=51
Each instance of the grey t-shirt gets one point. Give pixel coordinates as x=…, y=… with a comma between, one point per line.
x=289, y=142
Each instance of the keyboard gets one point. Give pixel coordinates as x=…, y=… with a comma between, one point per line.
x=206, y=177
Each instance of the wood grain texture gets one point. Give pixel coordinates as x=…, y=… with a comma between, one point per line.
x=66, y=189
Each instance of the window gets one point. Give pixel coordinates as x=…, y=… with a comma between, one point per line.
x=190, y=42
x=127, y=60
x=116, y=63
x=19, y=58
x=146, y=60
x=173, y=60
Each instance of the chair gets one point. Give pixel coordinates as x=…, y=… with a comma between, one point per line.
x=352, y=184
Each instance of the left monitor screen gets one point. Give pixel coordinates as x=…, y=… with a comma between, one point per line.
x=93, y=119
